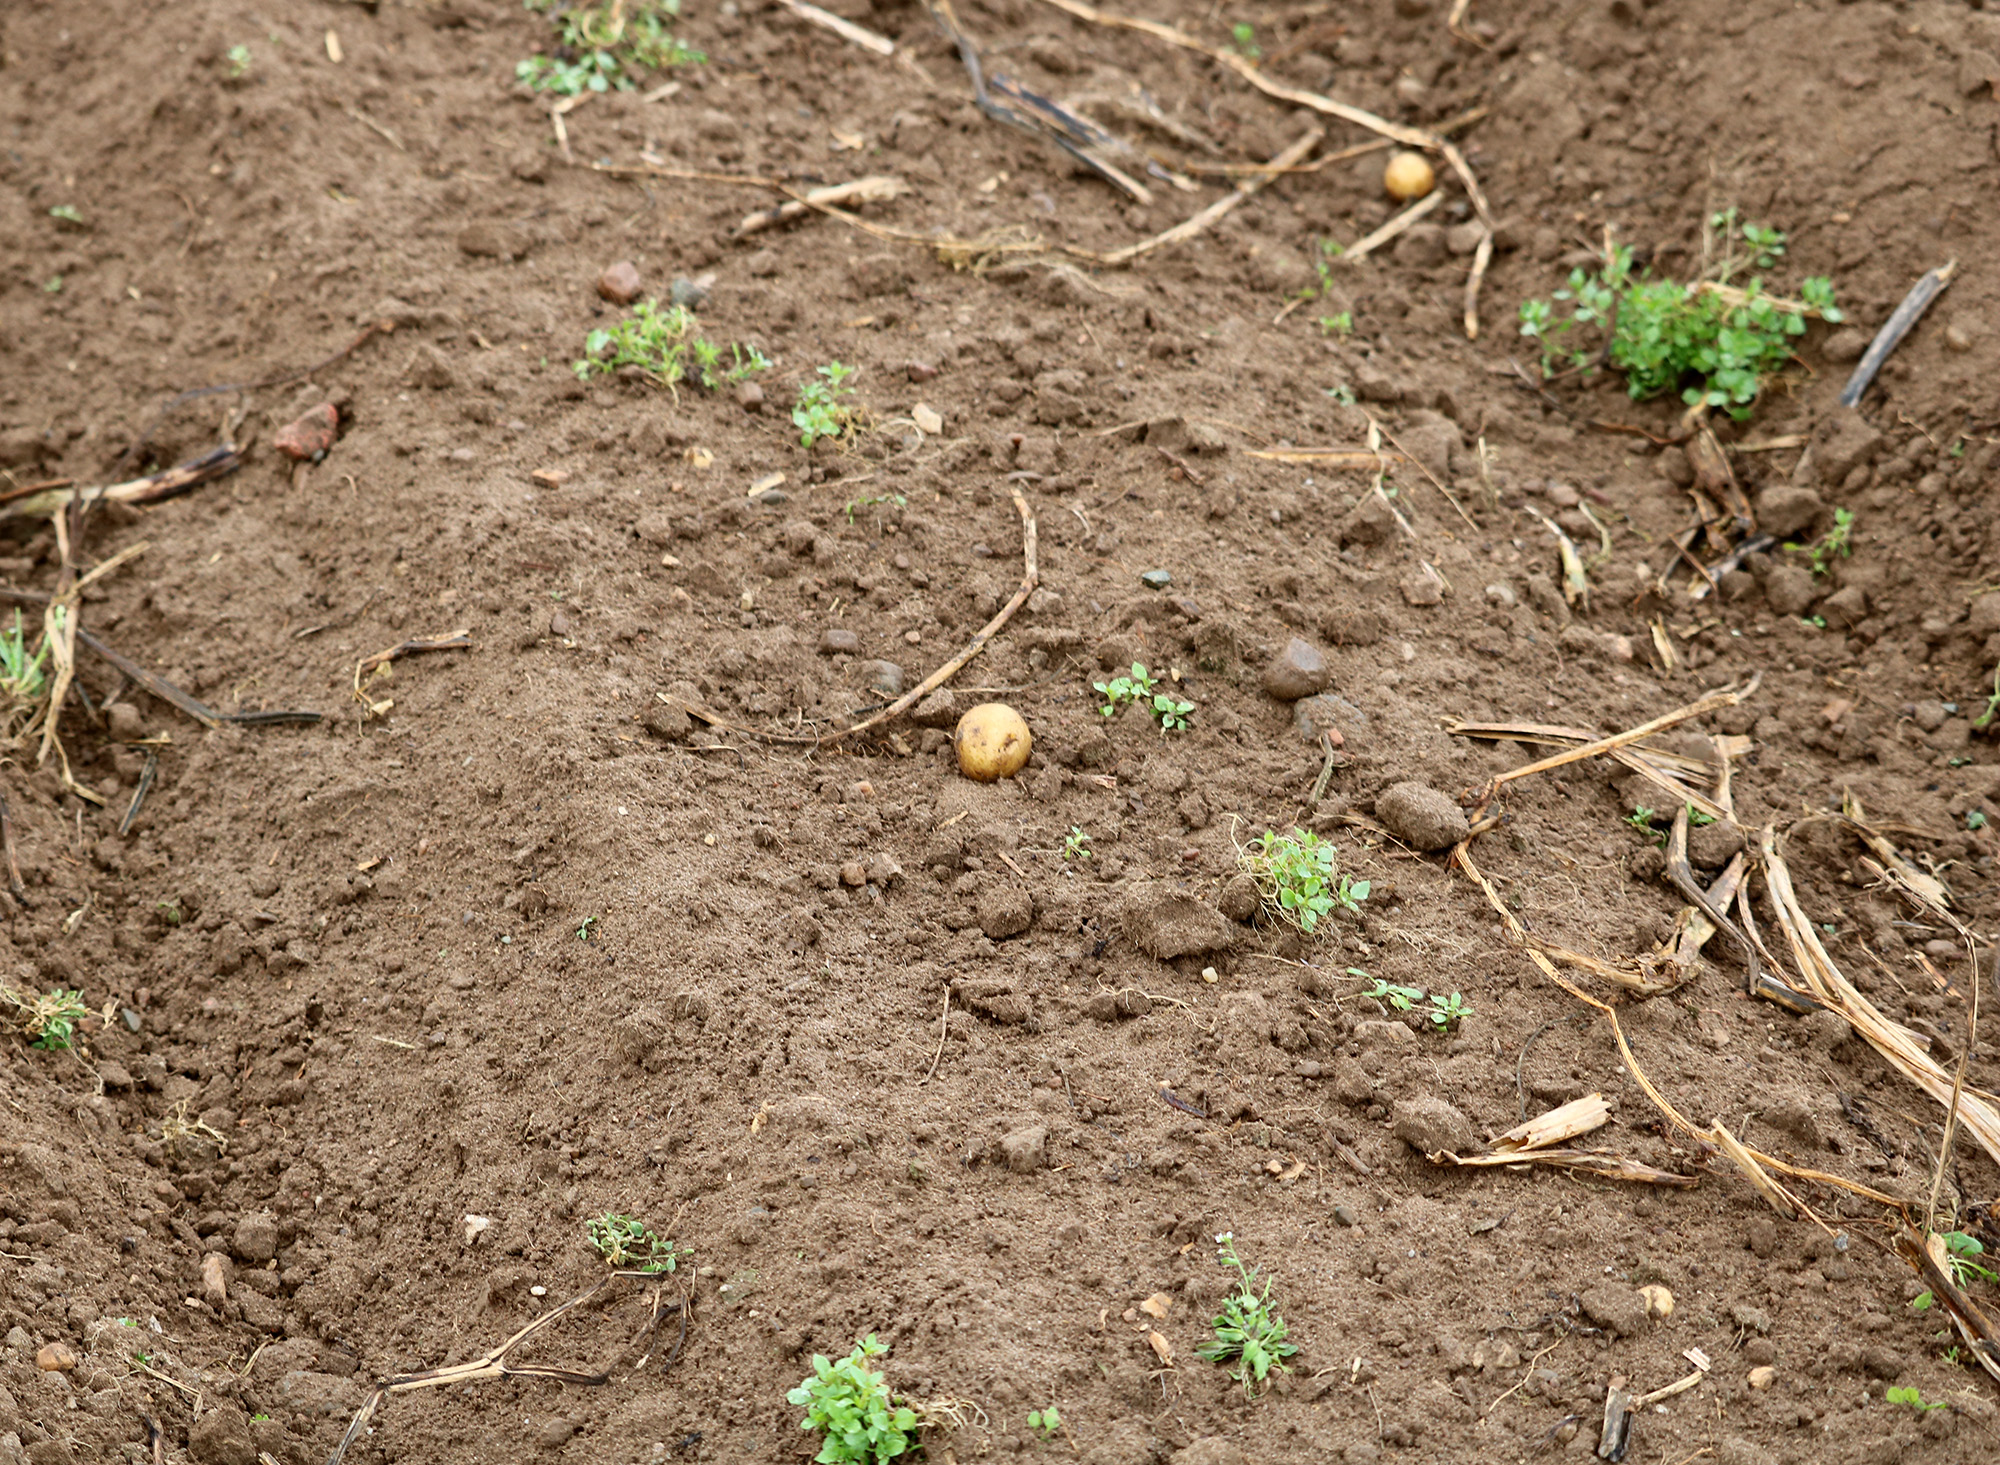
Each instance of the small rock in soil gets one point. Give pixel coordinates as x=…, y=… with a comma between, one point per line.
x=1239, y=899
x=840, y=643
x=1846, y=608
x=1422, y=588
x=214, y=1285
x=1615, y=1306
x=1790, y=589
x=1428, y=1124
x=1369, y=522
x=620, y=282
x=1345, y=1216
x=1784, y=509
x=1111, y=1006
x=555, y=1434
x=1166, y=923
x=1317, y=719
x=883, y=676
x=1005, y=910
x=694, y=293
x=1212, y=1451
x=1420, y=816
x=1027, y=1150
x=1297, y=671
x=55, y=1358
x=256, y=1239
x=750, y=396
x=668, y=720
x=310, y=435
x=1711, y=846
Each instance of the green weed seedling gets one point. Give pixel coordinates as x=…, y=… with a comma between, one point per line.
x=667, y=346
x=1337, y=325
x=864, y=500
x=239, y=62
x=1248, y=1331
x=583, y=927
x=1400, y=998
x=630, y=1245
x=859, y=1420
x=50, y=1020
x=1298, y=876
x=1045, y=1424
x=1076, y=844
x=1121, y=692
x=66, y=213
x=600, y=47
x=1445, y=1012
x=1964, y=1256
x=1914, y=1398
x=1713, y=342
x=1641, y=818
x=21, y=678
x=1836, y=544
x=1170, y=713
x=1243, y=41
x=824, y=408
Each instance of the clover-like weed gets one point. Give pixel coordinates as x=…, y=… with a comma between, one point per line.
x=50, y=1020
x=1076, y=844
x=859, y=1420
x=628, y=1244
x=1963, y=1253
x=1249, y=1330
x=1298, y=877
x=1444, y=1012
x=667, y=346
x=825, y=408
x=1121, y=692
x=1836, y=544
x=599, y=48
x=1045, y=1424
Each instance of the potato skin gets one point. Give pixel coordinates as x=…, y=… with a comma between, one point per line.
x=1408, y=176
x=993, y=742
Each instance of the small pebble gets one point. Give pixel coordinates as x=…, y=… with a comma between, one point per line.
x=920, y=371
x=1156, y=579
x=55, y=1358
x=694, y=293
x=1344, y=1216
x=1763, y=1377
x=311, y=435
x=750, y=396
x=1299, y=670
x=840, y=643
x=619, y=283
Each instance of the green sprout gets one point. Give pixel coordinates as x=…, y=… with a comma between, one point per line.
x=664, y=344
x=583, y=928
x=1248, y=1330
x=1714, y=342
x=1076, y=844
x=1975, y=819
x=1045, y=1424
x=1243, y=41
x=823, y=409
x=599, y=47
x=1698, y=817
x=21, y=678
x=1400, y=998
x=630, y=1245
x=66, y=213
x=239, y=62
x=1835, y=544
x=1337, y=325
x=52, y=285
x=1298, y=877
x=49, y=1021
x=1963, y=1251
x=864, y=500
x=1444, y=1012
x=1120, y=692
x=850, y=1405
x=1641, y=818
x=1914, y=1398
x=1171, y=714
x=1342, y=393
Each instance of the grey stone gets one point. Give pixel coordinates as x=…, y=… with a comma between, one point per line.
x=1156, y=579
x=1421, y=816
x=1616, y=1306
x=836, y=642
x=1427, y=1124
x=883, y=676
x=1027, y=1150
x=1299, y=670
x=555, y=1434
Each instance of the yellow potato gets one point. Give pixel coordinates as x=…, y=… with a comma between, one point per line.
x=993, y=742
x=1408, y=176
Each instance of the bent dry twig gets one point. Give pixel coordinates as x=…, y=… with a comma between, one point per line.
x=1030, y=577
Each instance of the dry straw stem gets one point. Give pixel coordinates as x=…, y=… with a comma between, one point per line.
x=1787, y=1205
x=44, y=502
x=1414, y=137
x=1541, y=1141
x=1030, y=577
x=1927, y=1256
x=450, y=641
x=847, y=30
x=493, y=1363
x=1901, y=1047
x=1667, y=771
x=1199, y=223
x=1377, y=431
x=1369, y=243
x=875, y=188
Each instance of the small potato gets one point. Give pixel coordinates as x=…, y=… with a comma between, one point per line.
x=1408, y=176
x=993, y=742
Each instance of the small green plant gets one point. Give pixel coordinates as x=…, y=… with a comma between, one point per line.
x=1243, y=41
x=1914, y=1398
x=583, y=927
x=824, y=408
x=1981, y=722
x=1120, y=692
x=50, y=1020
x=1975, y=819
x=1076, y=844
x=239, y=62
x=1342, y=393
x=1963, y=1257
x=864, y=500
x=1400, y=998
x=1298, y=876
x=1712, y=341
x=1337, y=325
x=1641, y=818
x=260, y=1419
x=630, y=1245
x=1045, y=1424
x=850, y=1405
x=1697, y=817
x=665, y=344
x=170, y=911
x=52, y=285
x=1835, y=544
x=1444, y=1012
x=1248, y=1330
x=1170, y=713
x=67, y=213
x=21, y=678
x=600, y=47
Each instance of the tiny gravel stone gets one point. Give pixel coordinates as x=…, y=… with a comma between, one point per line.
x=1027, y=1150
x=1344, y=1216
x=256, y=1239
x=1428, y=1124
x=1422, y=588
x=55, y=1358
x=619, y=283
x=310, y=435
x=1420, y=816
x=854, y=874
x=920, y=371
x=750, y=396
x=559, y=624
x=694, y=293
x=1615, y=1306
x=883, y=676
x=1156, y=579
x=555, y=1434
x=1297, y=671
x=840, y=643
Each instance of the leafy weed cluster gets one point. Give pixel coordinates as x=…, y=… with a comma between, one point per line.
x=600, y=47
x=628, y=1244
x=1143, y=687
x=1443, y=1011
x=1298, y=877
x=849, y=1403
x=50, y=1020
x=1836, y=544
x=1964, y=1253
x=1249, y=1331
x=1713, y=342
x=667, y=347
x=825, y=408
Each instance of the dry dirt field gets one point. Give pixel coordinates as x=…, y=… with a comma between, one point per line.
x=508, y=936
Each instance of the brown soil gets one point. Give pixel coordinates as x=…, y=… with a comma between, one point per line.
x=531, y=947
